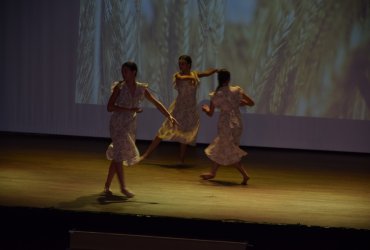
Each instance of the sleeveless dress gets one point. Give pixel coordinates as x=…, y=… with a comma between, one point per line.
x=225, y=149
x=122, y=126
x=184, y=110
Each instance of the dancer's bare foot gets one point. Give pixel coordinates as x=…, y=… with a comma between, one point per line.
x=107, y=192
x=127, y=193
x=207, y=176
x=245, y=180
x=141, y=158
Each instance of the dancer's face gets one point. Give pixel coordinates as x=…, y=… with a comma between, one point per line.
x=128, y=74
x=184, y=66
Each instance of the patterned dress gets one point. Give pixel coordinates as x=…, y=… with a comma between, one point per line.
x=184, y=110
x=224, y=149
x=122, y=126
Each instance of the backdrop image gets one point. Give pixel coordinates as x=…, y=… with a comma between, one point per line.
x=296, y=58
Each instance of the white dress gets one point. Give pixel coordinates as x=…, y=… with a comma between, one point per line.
x=184, y=109
x=122, y=126
x=225, y=149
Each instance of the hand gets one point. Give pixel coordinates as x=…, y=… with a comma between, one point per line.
x=173, y=121
x=243, y=103
x=205, y=108
x=137, y=110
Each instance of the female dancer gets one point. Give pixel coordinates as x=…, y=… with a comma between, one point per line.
x=124, y=103
x=224, y=150
x=184, y=109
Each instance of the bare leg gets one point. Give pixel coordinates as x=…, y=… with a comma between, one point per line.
x=121, y=179
x=240, y=168
x=182, y=152
x=111, y=172
x=151, y=148
x=212, y=173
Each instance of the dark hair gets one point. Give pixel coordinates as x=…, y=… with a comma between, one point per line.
x=131, y=65
x=223, y=76
x=186, y=58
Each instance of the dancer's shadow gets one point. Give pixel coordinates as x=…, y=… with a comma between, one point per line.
x=171, y=165
x=105, y=199
x=222, y=183
x=94, y=199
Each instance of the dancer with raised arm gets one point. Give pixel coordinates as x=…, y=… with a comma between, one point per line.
x=184, y=109
x=225, y=150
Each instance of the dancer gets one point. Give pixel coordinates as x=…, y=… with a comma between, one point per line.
x=183, y=108
x=124, y=103
x=225, y=150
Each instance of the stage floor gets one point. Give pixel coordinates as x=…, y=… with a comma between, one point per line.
x=290, y=187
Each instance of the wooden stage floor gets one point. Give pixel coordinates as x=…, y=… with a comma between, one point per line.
x=287, y=187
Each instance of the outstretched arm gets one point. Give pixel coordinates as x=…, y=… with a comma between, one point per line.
x=208, y=109
x=178, y=76
x=208, y=72
x=160, y=107
x=246, y=101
